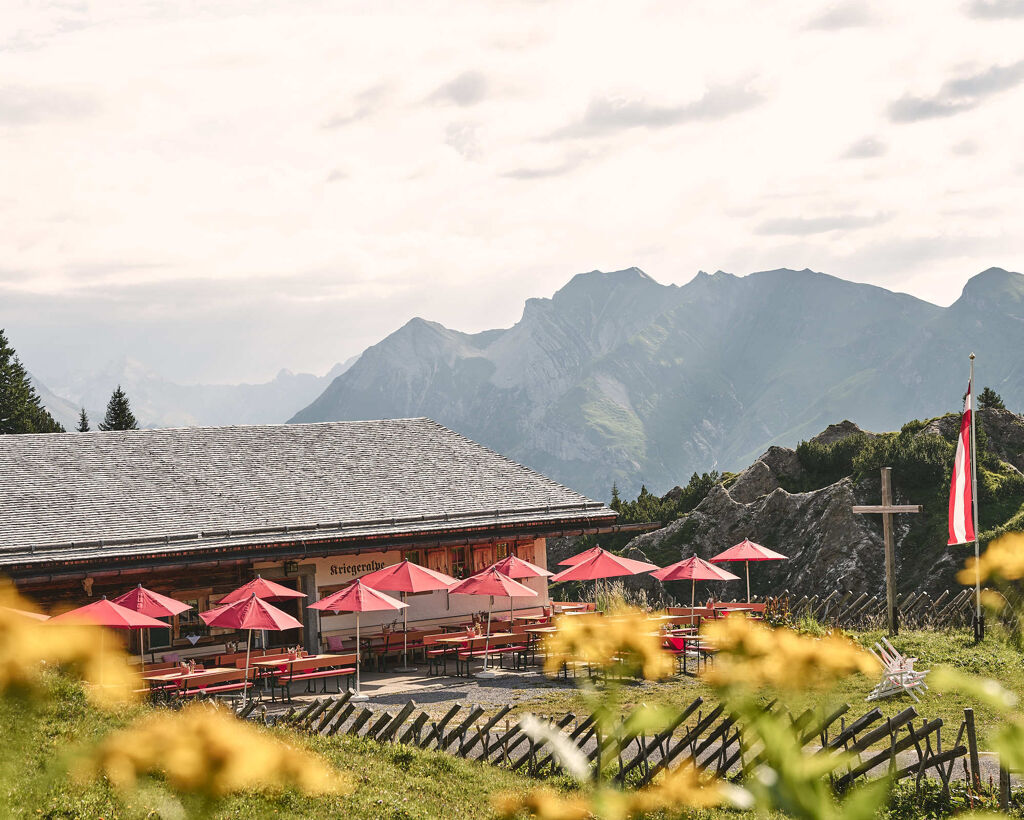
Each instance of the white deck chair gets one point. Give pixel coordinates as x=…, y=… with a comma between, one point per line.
x=898, y=675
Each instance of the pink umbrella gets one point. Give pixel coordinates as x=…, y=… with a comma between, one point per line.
x=602, y=564
x=693, y=569
x=573, y=560
x=747, y=551
x=515, y=567
x=251, y=613
x=264, y=589
x=107, y=613
x=150, y=603
x=490, y=582
x=358, y=597
x=261, y=588
x=406, y=577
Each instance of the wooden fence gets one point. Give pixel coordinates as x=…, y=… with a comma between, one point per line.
x=902, y=746
x=917, y=610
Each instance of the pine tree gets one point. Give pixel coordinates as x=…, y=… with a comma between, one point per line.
x=989, y=399
x=83, y=422
x=119, y=413
x=21, y=409
x=616, y=503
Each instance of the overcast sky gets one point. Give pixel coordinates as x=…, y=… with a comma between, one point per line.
x=224, y=189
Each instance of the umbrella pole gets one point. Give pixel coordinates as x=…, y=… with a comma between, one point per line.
x=693, y=593
x=485, y=672
x=748, y=580
x=405, y=639
x=358, y=695
x=248, y=645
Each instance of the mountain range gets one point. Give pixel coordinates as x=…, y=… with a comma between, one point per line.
x=158, y=402
x=619, y=379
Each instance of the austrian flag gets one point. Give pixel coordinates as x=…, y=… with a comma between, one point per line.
x=961, y=516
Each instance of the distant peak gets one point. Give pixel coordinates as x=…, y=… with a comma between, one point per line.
x=993, y=284
x=597, y=279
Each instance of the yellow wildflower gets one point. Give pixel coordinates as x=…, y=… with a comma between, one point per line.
x=28, y=645
x=206, y=750
x=544, y=804
x=751, y=655
x=682, y=786
x=1004, y=559
x=627, y=641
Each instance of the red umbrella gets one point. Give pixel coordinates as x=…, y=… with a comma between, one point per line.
x=693, y=569
x=406, y=577
x=358, y=597
x=602, y=564
x=150, y=603
x=261, y=588
x=251, y=613
x=747, y=551
x=515, y=567
x=573, y=560
x=108, y=613
x=491, y=582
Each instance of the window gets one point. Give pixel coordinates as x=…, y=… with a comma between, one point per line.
x=459, y=563
x=413, y=556
x=502, y=550
x=189, y=622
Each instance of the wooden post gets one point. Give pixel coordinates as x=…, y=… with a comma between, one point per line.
x=887, y=509
x=890, y=560
x=972, y=747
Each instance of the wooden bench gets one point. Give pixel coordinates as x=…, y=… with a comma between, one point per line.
x=310, y=669
x=515, y=646
x=437, y=654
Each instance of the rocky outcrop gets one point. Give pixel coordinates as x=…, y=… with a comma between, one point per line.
x=837, y=432
x=1003, y=429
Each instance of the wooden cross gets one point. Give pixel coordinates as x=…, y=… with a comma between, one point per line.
x=887, y=508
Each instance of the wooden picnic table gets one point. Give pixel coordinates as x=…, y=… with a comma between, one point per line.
x=179, y=674
x=541, y=630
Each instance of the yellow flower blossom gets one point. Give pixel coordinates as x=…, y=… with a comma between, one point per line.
x=682, y=786
x=28, y=645
x=626, y=641
x=751, y=655
x=544, y=804
x=204, y=749
x=1004, y=559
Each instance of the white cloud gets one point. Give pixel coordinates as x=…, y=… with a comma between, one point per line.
x=239, y=186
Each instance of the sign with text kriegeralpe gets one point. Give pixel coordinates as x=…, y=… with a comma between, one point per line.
x=340, y=569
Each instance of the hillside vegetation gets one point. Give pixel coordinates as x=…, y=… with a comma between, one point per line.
x=797, y=501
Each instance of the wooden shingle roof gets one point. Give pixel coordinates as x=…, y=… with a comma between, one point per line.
x=78, y=495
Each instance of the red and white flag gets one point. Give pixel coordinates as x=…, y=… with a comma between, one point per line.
x=961, y=510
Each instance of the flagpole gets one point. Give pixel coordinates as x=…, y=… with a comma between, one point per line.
x=979, y=630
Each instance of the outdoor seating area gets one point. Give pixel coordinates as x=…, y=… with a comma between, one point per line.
x=507, y=640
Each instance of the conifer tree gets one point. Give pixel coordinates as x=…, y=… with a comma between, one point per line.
x=21, y=409
x=989, y=399
x=83, y=422
x=119, y=413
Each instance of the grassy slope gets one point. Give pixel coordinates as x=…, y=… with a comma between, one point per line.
x=391, y=781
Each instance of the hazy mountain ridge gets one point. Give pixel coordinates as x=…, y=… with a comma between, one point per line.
x=617, y=378
x=158, y=402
